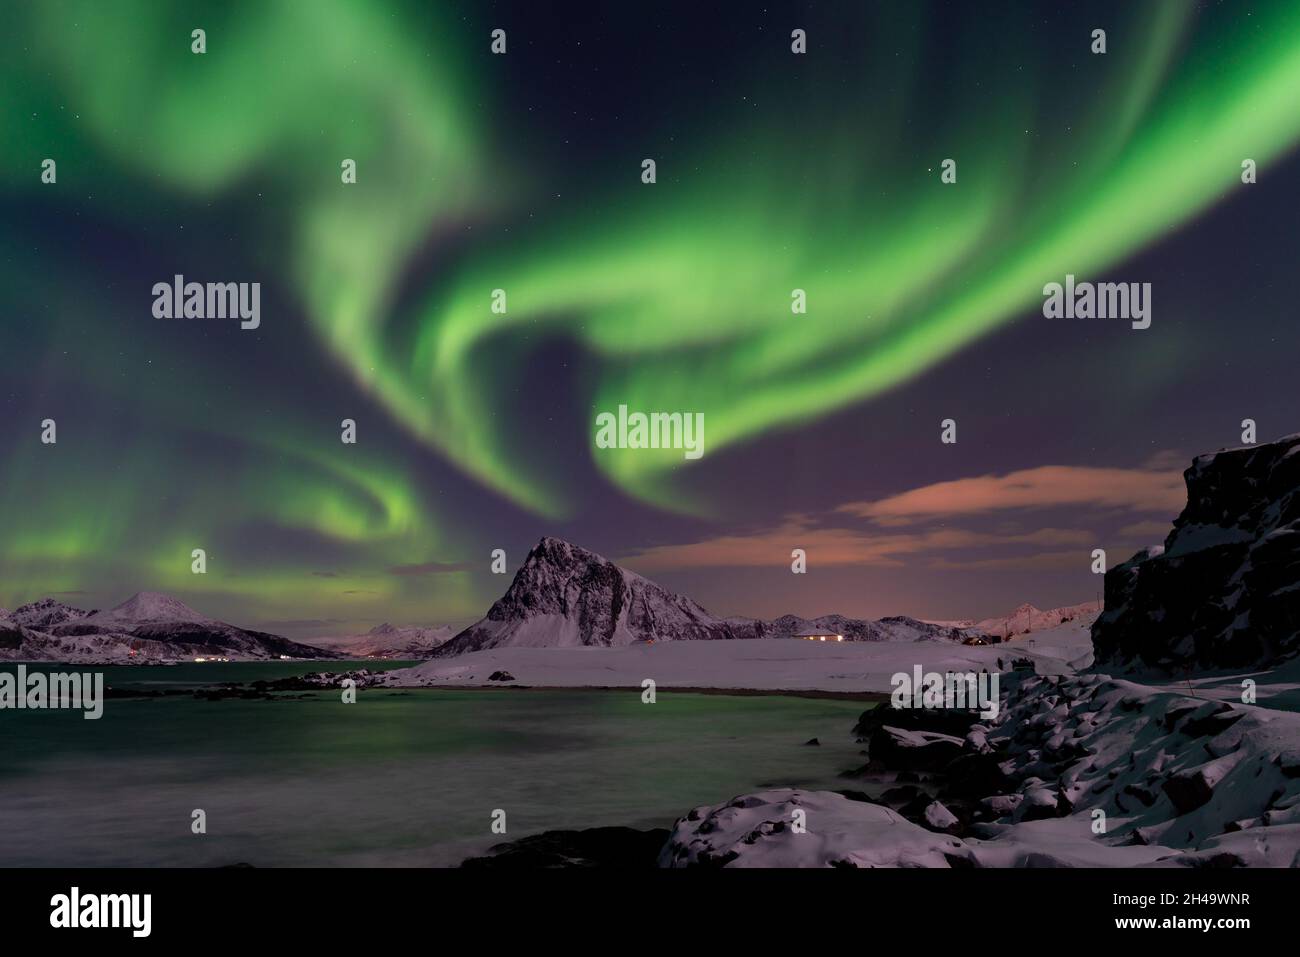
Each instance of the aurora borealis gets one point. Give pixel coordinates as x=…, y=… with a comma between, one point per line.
x=522, y=172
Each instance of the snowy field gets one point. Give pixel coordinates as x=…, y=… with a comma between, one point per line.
x=756, y=664
x=800, y=666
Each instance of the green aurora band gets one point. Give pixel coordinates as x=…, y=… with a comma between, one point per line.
x=677, y=294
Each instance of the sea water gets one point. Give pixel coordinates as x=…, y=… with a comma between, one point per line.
x=399, y=778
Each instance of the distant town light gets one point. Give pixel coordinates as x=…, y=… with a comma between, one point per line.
x=818, y=636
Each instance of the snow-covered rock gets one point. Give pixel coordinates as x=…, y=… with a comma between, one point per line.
x=796, y=828
x=1079, y=771
x=939, y=818
x=1224, y=591
x=1165, y=769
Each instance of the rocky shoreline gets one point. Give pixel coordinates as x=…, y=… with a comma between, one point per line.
x=1080, y=771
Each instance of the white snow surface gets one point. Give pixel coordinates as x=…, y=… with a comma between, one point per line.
x=760, y=664
x=755, y=830
x=769, y=664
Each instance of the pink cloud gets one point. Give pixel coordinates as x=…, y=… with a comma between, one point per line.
x=1048, y=486
x=838, y=546
x=913, y=526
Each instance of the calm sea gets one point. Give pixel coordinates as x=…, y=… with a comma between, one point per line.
x=399, y=778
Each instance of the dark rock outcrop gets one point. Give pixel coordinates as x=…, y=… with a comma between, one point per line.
x=11, y=635
x=609, y=847
x=896, y=749
x=1224, y=589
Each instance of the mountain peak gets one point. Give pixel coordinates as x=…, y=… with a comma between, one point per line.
x=45, y=613
x=153, y=606
x=557, y=550
x=564, y=595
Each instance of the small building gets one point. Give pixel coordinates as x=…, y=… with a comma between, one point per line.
x=817, y=634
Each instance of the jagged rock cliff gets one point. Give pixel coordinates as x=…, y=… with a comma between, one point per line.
x=1224, y=590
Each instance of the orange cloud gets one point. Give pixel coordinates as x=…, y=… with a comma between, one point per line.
x=913, y=525
x=1048, y=486
x=838, y=546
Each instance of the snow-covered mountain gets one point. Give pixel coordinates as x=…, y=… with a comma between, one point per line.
x=146, y=627
x=565, y=596
x=45, y=614
x=1027, y=619
x=1224, y=589
x=147, y=606
x=390, y=641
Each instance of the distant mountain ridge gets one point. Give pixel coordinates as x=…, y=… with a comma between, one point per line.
x=390, y=641
x=148, y=626
x=1026, y=619
x=566, y=596
x=43, y=614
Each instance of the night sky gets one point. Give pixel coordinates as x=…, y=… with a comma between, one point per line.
x=775, y=171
